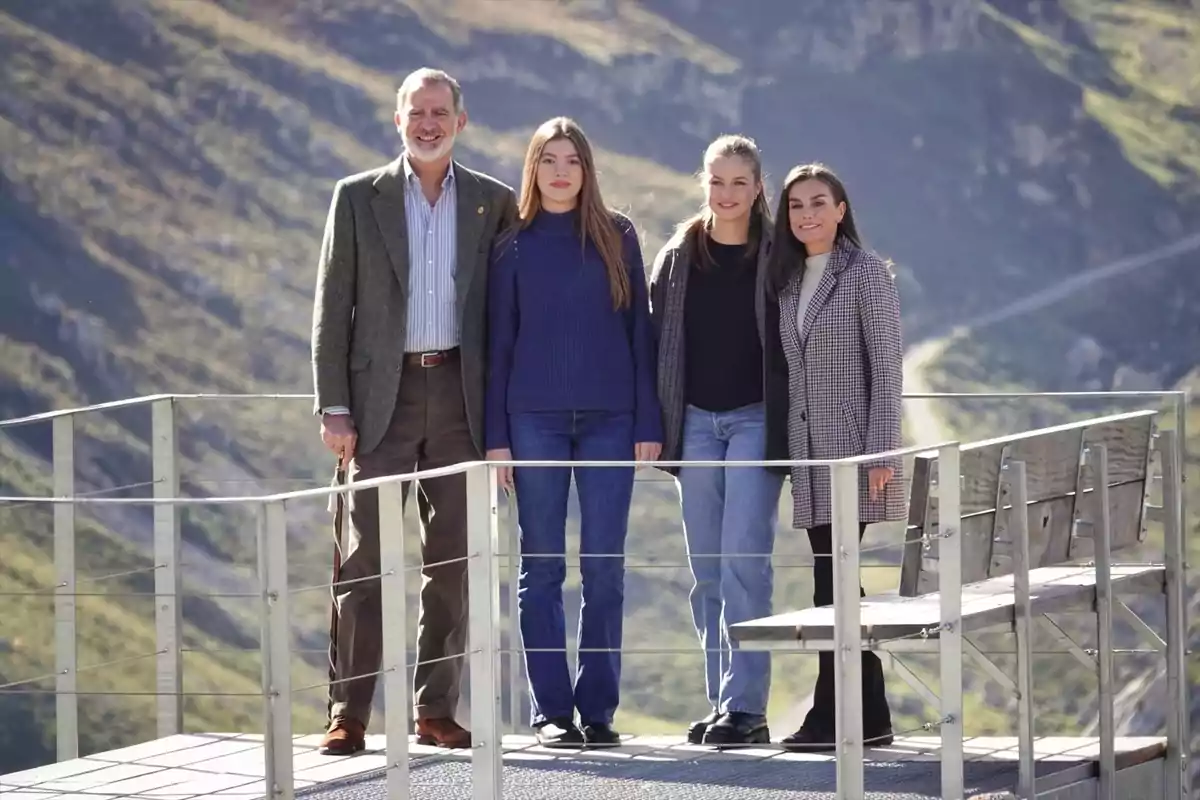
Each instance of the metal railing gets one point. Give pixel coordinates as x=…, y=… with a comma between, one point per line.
x=484, y=585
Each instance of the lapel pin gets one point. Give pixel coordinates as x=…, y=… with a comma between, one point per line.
x=479, y=210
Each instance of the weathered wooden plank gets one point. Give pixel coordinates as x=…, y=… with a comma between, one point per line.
x=914, y=548
x=984, y=604
x=1126, y=517
x=1053, y=537
x=1129, y=446
x=1053, y=472
x=1051, y=457
x=1130, y=750
x=1050, y=464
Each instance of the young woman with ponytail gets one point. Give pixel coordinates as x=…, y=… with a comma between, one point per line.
x=708, y=302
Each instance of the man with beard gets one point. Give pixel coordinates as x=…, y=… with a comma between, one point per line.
x=398, y=346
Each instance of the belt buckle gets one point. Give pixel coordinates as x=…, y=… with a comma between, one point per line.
x=431, y=359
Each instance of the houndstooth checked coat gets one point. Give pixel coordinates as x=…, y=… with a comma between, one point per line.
x=844, y=377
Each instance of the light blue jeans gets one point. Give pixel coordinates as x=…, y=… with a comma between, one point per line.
x=729, y=516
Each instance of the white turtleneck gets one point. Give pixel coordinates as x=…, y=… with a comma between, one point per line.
x=814, y=268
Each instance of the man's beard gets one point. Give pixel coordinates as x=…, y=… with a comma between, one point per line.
x=420, y=153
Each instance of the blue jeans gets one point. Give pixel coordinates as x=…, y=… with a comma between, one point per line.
x=729, y=511
x=605, y=495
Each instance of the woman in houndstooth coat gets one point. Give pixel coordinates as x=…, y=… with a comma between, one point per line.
x=840, y=356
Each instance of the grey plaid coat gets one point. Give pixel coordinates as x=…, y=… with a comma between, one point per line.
x=845, y=378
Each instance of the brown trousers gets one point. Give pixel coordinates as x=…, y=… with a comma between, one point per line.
x=428, y=430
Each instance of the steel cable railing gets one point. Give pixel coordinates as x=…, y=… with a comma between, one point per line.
x=274, y=603
x=482, y=538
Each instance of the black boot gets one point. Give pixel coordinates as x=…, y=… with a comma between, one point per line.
x=738, y=729
x=816, y=740
x=696, y=730
x=601, y=735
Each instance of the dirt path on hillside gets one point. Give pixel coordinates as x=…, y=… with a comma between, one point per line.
x=921, y=417
x=922, y=420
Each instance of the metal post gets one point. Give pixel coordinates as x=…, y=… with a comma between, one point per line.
x=1018, y=517
x=483, y=576
x=1102, y=541
x=847, y=631
x=515, y=660
x=1181, y=456
x=66, y=700
x=950, y=639
x=1177, y=710
x=168, y=610
x=394, y=603
x=275, y=646
x=1181, y=409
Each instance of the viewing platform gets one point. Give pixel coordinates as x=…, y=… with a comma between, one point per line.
x=1100, y=542
x=231, y=767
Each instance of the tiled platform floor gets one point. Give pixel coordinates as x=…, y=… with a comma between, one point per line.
x=231, y=766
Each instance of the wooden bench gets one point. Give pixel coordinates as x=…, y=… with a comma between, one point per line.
x=1058, y=493
x=1054, y=472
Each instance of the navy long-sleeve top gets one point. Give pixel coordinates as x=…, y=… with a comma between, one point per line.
x=555, y=341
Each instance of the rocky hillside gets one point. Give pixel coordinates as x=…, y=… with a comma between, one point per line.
x=165, y=167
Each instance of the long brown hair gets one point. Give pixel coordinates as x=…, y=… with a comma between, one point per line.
x=788, y=253
x=598, y=222
x=695, y=228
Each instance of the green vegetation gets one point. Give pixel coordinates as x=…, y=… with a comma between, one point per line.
x=115, y=625
x=1139, y=78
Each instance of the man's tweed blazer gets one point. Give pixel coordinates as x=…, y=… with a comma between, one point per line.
x=845, y=378
x=668, y=293
x=360, y=310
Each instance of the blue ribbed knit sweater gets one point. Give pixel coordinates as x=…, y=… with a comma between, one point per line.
x=555, y=342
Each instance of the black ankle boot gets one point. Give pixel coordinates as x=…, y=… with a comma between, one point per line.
x=738, y=728
x=696, y=730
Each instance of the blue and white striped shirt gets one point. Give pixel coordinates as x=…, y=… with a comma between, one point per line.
x=432, y=236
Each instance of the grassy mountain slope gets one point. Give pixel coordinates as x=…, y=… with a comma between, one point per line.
x=158, y=205
x=1119, y=328
x=165, y=167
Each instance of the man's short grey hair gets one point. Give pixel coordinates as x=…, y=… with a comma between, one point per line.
x=425, y=76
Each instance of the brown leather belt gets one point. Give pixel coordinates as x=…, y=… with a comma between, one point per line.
x=430, y=358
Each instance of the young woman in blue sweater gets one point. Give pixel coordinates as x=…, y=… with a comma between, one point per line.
x=571, y=377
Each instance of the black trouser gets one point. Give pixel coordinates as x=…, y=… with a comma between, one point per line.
x=876, y=714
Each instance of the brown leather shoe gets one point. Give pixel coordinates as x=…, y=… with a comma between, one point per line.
x=442, y=732
x=345, y=737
